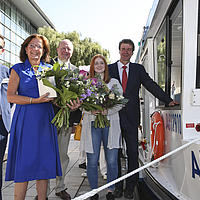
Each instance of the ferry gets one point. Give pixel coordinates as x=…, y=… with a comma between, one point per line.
x=170, y=52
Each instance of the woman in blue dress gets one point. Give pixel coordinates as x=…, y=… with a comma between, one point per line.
x=33, y=150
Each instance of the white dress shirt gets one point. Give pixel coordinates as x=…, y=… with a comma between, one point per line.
x=67, y=65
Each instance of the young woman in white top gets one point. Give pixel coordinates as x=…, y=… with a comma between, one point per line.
x=110, y=136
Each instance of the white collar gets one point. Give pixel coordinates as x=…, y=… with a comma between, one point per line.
x=120, y=65
x=63, y=63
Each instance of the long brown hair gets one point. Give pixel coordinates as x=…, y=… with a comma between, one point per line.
x=45, y=56
x=106, y=78
x=2, y=37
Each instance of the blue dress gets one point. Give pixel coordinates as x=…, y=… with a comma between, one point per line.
x=33, y=149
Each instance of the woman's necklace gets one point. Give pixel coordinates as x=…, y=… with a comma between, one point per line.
x=35, y=67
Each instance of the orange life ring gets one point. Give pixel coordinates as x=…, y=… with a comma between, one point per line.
x=157, y=135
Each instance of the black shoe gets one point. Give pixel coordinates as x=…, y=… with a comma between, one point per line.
x=128, y=194
x=95, y=197
x=83, y=165
x=118, y=193
x=110, y=196
x=63, y=195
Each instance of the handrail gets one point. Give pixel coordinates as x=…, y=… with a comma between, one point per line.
x=94, y=191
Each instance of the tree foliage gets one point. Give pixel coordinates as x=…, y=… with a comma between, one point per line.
x=84, y=49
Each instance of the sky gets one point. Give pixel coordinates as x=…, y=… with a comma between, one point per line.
x=104, y=21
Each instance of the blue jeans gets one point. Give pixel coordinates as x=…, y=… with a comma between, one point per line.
x=111, y=155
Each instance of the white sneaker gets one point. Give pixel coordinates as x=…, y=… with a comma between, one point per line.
x=104, y=177
x=84, y=174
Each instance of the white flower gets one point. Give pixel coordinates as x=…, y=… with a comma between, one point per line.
x=67, y=84
x=111, y=96
x=79, y=82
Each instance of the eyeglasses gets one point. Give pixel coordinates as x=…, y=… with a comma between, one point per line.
x=33, y=46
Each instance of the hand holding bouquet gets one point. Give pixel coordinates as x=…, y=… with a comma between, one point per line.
x=99, y=98
x=68, y=87
x=71, y=86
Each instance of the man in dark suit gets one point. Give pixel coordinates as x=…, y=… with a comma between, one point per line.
x=131, y=76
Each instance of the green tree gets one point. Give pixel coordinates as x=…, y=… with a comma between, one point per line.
x=84, y=49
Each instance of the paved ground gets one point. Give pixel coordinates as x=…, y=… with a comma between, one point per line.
x=76, y=184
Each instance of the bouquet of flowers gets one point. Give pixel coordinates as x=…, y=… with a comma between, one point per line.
x=100, y=97
x=68, y=85
x=92, y=92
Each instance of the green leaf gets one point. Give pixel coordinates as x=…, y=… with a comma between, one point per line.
x=47, y=83
x=68, y=95
x=56, y=67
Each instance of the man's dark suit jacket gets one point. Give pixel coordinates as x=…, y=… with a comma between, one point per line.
x=130, y=114
x=75, y=116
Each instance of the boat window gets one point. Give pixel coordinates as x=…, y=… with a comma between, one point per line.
x=160, y=54
x=198, y=52
x=168, y=46
x=176, y=33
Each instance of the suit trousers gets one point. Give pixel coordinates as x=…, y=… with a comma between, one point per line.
x=63, y=144
x=131, y=140
x=3, y=142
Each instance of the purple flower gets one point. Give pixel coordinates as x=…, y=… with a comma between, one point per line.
x=89, y=92
x=84, y=96
x=94, y=81
x=83, y=73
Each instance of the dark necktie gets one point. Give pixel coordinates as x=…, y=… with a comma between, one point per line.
x=124, y=78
